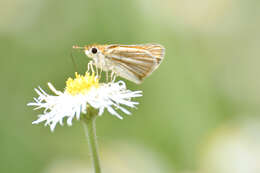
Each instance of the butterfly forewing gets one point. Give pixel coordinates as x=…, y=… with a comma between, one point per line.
x=135, y=62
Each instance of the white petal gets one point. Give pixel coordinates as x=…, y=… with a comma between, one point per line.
x=113, y=112
x=63, y=105
x=53, y=89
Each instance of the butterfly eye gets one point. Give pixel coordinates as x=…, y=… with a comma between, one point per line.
x=94, y=50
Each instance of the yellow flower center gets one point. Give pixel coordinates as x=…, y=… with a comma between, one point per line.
x=81, y=84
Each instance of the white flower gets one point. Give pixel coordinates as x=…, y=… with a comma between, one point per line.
x=81, y=92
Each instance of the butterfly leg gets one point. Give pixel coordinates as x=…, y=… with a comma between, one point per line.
x=90, y=66
x=96, y=69
x=114, y=77
x=111, y=75
x=101, y=69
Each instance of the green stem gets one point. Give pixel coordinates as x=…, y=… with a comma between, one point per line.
x=90, y=130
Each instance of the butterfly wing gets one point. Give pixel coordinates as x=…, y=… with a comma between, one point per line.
x=135, y=62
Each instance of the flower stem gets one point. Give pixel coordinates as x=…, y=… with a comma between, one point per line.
x=89, y=123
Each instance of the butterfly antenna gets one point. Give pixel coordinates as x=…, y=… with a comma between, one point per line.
x=77, y=47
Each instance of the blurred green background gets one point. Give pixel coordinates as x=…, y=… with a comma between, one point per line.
x=200, y=109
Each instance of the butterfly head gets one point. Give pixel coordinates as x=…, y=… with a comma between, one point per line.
x=92, y=51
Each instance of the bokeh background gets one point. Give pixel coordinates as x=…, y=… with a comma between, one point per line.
x=200, y=109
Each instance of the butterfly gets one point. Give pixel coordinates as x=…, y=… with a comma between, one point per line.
x=132, y=62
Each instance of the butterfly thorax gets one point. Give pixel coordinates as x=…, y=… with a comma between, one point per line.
x=102, y=62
